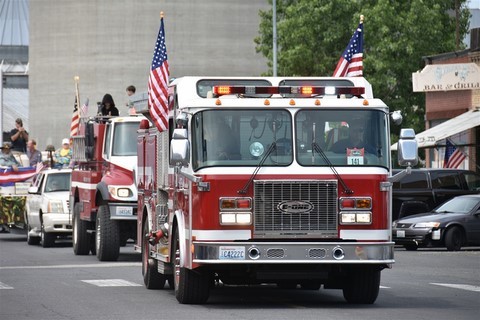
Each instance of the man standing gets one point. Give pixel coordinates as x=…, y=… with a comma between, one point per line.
x=34, y=156
x=19, y=137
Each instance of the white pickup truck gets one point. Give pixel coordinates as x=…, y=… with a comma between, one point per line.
x=47, y=214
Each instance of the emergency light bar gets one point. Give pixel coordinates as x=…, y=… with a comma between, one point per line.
x=295, y=90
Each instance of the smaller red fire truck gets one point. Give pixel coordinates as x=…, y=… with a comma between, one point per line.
x=285, y=181
x=103, y=194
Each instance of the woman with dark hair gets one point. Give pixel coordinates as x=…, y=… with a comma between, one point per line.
x=108, y=106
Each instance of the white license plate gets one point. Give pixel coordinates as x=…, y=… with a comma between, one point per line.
x=124, y=211
x=401, y=233
x=231, y=253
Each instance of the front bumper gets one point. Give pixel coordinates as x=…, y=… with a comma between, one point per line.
x=123, y=211
x=57, y=222
x=293, y=252
x=420, y=236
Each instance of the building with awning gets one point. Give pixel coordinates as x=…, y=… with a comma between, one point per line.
x=451, y=83
x=435, y=137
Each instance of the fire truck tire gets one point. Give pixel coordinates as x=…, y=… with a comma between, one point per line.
x=191, y=286
x=81, y=238
x=151, y=277
x=362, y=285
x=107, y=236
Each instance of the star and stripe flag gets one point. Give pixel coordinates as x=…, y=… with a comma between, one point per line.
x=158, y=82
x=351, y=61
x=75, y=124
x=453, y=156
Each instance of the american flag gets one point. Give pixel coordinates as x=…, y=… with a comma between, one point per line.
x=75, y=120
x=351, y=61
x=158, y=83
x=453, y=156
x=84, y=108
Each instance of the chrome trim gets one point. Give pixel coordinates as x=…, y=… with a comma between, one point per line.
x=300, y=252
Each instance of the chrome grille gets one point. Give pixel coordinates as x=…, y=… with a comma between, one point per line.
x=318, y=196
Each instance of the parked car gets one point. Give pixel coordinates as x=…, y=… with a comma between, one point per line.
x=424, y=189
x=47, y=214
x=454, y=224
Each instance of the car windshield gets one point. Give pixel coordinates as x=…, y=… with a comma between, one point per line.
x=58, y=182
x=315, y=137
x=457, y=205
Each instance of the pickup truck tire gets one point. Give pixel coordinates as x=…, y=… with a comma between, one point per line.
x=454, y=239
x=191, y=286
x=31, y=240
x=107, y=236
x=81, y=238
x=362, y=285
x=151, y=277
x=48, y=239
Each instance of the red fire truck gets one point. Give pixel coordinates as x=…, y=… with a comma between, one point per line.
x=103, y=195
x=268, y=180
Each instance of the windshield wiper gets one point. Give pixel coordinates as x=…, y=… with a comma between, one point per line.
x=316, y=147
x=272, y=147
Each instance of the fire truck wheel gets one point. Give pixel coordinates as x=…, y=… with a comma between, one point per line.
x=48, y=239
x=107, y=236
x=151, y=277
x=362, y=285
x=81, y=238
x=191, y=286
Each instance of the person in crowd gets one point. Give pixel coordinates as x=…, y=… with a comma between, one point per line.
x=131, y=91
x=64, y=154
x=7, y=159
x=34, y=155
x=354, y=140
x=108, y=106
x=19, y=137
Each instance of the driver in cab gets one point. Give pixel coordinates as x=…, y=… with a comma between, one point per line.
x=355, y=140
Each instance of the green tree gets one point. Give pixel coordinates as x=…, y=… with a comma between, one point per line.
x=312, y=34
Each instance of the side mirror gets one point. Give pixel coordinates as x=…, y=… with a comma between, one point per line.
x=33, y=190
x=182, y=120
x=407, y=148
x=396, y=117
x=179, y=148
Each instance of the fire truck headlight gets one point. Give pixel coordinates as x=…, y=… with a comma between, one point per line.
x=347, y=217
x=355, y=217
x=244, y=218
x=237, y=218
x=55, y=206
x=227, y=218
x=120, y=192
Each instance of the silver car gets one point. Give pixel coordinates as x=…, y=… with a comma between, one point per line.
x=47, y=214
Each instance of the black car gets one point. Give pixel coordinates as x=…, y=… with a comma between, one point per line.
x=425, y=189
x=454, y=224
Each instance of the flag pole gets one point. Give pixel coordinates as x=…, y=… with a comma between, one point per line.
x=77, y=93
x=77, y=96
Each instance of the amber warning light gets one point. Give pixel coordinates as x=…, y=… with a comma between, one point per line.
x=304, y=91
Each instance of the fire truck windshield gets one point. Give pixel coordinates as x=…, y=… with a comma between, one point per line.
x=242, y=137
x=125, y=139
x=347, y=137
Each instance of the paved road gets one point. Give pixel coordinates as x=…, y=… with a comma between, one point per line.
x=52, y=283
